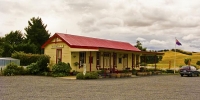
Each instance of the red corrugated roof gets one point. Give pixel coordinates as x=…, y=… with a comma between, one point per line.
x=88, y=42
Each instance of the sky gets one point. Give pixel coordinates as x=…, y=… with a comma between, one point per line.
x=155, y=23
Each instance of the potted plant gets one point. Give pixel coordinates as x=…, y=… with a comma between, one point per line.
x=113, y=75
x=74, y=72
x=118, y=75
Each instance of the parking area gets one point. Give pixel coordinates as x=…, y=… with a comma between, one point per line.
x=160, y=87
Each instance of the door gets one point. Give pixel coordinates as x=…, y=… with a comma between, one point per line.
x=58, y=55
x=107, y=60
x=125, y=61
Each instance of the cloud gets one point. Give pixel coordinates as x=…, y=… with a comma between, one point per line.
x=190, y=37
x=109, y=21
x=140, y=39
x=155, y=23
x=87, y=20
x=157, y=42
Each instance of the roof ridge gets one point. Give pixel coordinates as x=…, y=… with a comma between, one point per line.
x=93, y=38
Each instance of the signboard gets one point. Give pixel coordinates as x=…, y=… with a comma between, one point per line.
x=57, y=46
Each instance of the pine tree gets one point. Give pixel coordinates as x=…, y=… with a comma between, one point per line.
x=36, y=33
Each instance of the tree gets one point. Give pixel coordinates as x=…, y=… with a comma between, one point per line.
x=14, y=38
x=139, y=46
x=7, y=50
x=36, y=32
x=26, y=47
x=198, y=63
x=187, y=61
x=11, y=41
x=1, y=45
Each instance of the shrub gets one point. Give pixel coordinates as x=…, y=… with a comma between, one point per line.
x=22, y=70
x=169, y=71
x=134, y=71
x=40, y=67
x=61, y=69
x=80, y=76
x=94, y=75
x=198, y=63
x=43, y=63
x=187, y=61
x=89, y=75
x=143, y=69
x=13, y=69
x=28, y=58
x=33, y=68
x=143, y=64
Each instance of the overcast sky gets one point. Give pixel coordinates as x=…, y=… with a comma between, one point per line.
x=155, y=23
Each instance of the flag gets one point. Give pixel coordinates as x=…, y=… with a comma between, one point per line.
x=177, y=42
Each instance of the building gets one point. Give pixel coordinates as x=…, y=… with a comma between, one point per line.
x=93, y=52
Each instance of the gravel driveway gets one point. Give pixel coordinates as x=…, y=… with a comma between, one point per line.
x=161, y=87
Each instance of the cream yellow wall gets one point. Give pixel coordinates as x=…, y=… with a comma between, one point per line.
x=75, y=58
x=66, y=55
x=51, y=48
x=51, y=52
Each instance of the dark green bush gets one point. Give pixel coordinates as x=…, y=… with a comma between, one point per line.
x=13, y=69
x=134, y=71
x=22, y=70
x=94, y=75
x=43, y=63
x=169, y=71
x=36, y=64
x=80, y=76
x=28, y=58
x=198, y=63
x=33, y=69
x=89, y=75
x=61, y=69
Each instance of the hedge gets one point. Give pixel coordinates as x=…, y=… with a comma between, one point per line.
x=28, y=58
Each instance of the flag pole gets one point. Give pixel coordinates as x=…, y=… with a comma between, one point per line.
x=175, y=56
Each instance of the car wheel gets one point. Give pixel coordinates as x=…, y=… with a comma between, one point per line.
x=181, y=75
x=197, y=74
x=192, y=74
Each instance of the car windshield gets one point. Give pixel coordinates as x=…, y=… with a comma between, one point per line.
x=184, y=67
x=187, y=67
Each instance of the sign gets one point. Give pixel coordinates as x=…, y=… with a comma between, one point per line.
x=57, y=46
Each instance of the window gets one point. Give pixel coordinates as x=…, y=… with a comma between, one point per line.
x=98, y=58
x=120, y=60
x=106, y=54
x=82, y=60
x=115, y=59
